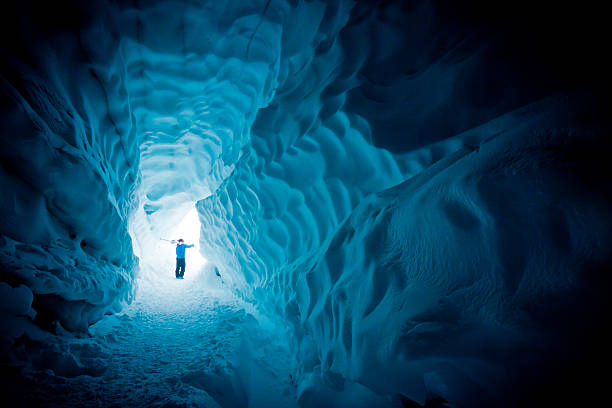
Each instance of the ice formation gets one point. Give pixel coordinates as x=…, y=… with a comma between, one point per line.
x=408, y=200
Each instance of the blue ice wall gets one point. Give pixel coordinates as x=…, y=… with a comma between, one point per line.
x=411, y=194
x=69, y=167
x=433, y=287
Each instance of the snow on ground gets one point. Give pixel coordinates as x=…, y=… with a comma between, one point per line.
x=180, y=343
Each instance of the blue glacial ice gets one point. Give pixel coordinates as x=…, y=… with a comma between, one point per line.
x=393, y=204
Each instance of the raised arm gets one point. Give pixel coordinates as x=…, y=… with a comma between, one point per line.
x=189, y=246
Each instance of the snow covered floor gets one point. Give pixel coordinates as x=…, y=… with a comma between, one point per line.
x=178, y=344
x=162, y=344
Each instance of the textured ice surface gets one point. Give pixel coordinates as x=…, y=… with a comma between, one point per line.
x=401, y=199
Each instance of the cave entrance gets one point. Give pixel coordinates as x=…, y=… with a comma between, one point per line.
x=157, y=287
x=189, y=230
x=151, y=236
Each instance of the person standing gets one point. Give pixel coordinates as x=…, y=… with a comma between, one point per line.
x=180, y=258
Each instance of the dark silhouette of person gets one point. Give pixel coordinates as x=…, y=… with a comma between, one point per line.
x=180, y=258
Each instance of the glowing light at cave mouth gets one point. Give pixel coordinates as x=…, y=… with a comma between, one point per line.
x=189, y=230
x=157, y=256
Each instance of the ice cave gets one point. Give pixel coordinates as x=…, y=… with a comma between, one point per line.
x=392, y=203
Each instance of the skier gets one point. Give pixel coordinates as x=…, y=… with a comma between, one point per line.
x=180, y=258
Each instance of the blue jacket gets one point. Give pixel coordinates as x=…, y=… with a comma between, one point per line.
x=180, y=250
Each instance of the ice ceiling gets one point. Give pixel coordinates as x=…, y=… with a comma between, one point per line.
x=413, y=193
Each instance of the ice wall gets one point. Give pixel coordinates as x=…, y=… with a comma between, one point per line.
x=433, y=288
x=68, y=172
x=468, y=281
x=393, y=185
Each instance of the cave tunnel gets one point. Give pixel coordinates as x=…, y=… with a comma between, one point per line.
x=392, y=203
